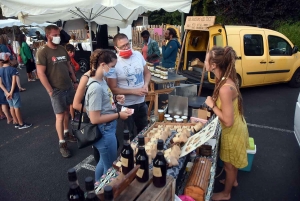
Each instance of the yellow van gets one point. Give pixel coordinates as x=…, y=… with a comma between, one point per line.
x=264, y=56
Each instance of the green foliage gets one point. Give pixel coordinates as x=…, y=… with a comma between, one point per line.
x=260, y=12
x=163, y=17
x=290, y=30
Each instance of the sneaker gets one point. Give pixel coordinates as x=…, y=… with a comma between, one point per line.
x=69, y=137
x=63, y=148
x=16, y=125
x=25, y=125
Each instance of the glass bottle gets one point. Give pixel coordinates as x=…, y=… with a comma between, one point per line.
x=75, y=193
x=160, y=166
x=108, y=193
x=142, y=174
x=89, y=187
x=127, y=154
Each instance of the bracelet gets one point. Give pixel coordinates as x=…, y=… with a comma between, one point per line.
x=118, y=115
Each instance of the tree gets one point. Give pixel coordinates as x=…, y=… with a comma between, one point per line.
x=260, y=12
x=163, y=17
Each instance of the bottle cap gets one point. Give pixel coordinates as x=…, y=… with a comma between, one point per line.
x=108, y=193
x=72, y=174
x=160, y=144
x=141, y=140
x=89, y=184
x=126, y=134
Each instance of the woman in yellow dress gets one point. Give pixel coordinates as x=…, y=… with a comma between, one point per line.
x=226, y=103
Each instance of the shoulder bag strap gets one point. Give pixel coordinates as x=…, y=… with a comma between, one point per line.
x=83, y=101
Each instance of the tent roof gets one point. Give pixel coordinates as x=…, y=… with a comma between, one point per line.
x=14, y=22
x=113, y=13
x=10, y=23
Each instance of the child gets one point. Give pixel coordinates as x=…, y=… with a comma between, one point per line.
x=101, y=109
x=8, y=83
x=71, y=52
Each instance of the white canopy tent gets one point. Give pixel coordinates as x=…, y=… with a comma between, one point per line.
x=10, y=23
x=119, y=13
x=18, y=23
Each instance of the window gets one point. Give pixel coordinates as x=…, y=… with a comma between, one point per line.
x=218, y=40
x=253, y=45
x=278, y=46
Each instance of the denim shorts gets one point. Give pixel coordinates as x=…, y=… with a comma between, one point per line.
x=15, y=102
x=62, y=99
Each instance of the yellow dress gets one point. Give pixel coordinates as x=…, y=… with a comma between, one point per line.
x=234, y=139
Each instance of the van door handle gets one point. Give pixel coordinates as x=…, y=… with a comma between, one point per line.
x=272, y=62
x=263, y=62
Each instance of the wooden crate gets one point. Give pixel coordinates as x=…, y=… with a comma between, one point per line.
x=137, y=191
x=198, y=180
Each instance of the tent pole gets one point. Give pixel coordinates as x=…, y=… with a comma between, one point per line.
x=182, y=25
x=90, y=31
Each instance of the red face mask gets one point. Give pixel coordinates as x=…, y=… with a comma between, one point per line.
x=125, y=53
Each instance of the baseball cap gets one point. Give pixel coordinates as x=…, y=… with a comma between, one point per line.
x=4, y=56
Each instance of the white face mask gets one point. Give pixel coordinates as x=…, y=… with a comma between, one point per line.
x=56, y=40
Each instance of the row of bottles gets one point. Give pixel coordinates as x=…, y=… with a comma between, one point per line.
x=142, y=175
x=76, y=194
x=127, y=158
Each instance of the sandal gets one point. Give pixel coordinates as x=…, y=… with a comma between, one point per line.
x=22, y=89
x=8, y=122
x=31, y=80
x=2, y=117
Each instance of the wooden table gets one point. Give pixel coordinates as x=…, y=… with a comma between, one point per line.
x=153, y=94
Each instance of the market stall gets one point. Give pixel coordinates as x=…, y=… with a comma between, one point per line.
x=179, y=172
x=161, y=76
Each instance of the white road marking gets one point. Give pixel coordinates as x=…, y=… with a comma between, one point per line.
x=85, y=164
x=271, y=128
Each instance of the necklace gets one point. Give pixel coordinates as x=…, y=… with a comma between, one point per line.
x=126, y=62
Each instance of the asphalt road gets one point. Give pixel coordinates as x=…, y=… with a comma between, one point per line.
x=32, y=169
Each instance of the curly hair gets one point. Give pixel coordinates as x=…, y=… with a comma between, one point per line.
x=99, y=56
x=224, y=58
x=172, y=32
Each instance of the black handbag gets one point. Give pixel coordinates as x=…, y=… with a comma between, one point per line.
x=86, y=133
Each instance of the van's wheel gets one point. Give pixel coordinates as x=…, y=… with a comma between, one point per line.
x=84, y=65
x=295, y=81
x=239, y=80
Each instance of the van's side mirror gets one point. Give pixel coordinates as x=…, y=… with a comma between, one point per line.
x=295, y=50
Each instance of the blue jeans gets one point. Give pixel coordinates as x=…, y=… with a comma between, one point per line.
x=15, y=102
x=139, y=117
x=107, y=147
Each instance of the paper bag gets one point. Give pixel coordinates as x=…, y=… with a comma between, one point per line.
x=202, y=114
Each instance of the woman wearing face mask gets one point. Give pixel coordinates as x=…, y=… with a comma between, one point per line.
x=101, y=108
x=27, y=58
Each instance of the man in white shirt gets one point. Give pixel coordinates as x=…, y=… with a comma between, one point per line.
x=131, y=78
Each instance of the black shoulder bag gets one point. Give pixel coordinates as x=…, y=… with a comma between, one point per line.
x=86, y=133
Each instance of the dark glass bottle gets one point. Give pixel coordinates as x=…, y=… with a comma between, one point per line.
x=142, y=174
x=160, y=166
x=108, y=193
x=89, y=187
x=75, y=193
x=127, y=154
